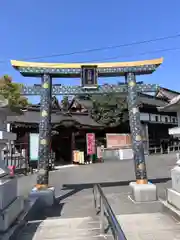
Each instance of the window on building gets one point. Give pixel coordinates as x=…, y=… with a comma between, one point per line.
x=166, y=119
x=156, y=118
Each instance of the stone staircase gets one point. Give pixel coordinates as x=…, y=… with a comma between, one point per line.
x=72, y=217
x=85, y=228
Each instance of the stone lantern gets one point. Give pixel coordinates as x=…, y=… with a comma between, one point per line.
x=173, y=194
x=10, y=204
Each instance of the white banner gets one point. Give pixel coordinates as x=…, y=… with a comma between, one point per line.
x=34, y=146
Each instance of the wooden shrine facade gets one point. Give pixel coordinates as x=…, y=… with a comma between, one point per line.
x=68, y=131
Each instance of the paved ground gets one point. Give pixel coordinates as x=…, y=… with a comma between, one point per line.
x=115, y=172
x=74, y=188
x=158, y=167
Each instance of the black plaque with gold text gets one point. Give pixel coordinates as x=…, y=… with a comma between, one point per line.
x=89, y=76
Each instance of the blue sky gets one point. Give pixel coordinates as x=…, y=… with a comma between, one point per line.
x=42, y=27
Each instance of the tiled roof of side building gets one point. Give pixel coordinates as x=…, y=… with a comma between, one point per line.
x=166, y=93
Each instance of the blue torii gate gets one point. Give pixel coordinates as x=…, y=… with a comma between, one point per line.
x=89, y=74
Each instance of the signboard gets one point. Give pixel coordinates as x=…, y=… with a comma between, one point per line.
x=115, y=140
x=89, y=76
x=90, y=141
x=34, y=146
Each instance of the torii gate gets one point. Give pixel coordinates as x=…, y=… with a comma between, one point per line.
x=89, y=74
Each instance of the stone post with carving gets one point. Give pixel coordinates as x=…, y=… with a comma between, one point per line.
x=10, y=204
x=173, y=194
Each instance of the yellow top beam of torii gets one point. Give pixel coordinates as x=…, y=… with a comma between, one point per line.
x=22, y=64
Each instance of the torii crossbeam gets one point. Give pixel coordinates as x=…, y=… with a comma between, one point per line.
x=89, y=74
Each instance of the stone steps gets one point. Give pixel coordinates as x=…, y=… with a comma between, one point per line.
x=63, y=228
x=148, y=226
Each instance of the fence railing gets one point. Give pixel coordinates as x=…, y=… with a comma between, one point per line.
x=160, y=150
x=20, y=163
x=103, y=208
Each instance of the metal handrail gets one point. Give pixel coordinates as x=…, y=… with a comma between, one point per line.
x=105, y=210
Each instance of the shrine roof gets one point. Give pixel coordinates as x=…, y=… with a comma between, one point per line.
x=55, y=105
x=143, y=99
x=58, y=118
x=86, y=103
x=74, y=69
x=148, y=99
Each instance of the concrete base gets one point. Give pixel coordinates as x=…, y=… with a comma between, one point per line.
x=175, y=175
x=8, y=191
x=117, y=154
x=11, y=213
x=45, y=197
x=143, y=192
x=173, y=197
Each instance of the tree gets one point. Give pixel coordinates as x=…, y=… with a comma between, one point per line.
x=12, y=92
x=65, y=104
x=109, y=109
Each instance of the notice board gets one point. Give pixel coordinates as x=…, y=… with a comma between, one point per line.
x=116, y=140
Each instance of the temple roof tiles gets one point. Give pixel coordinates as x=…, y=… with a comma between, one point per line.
x=58, y=118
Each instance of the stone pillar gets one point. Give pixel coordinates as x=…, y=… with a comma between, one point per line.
x=135, y=126
x=173, y=194
x=44, y=132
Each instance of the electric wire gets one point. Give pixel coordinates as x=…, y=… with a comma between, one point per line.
x=105, y=48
